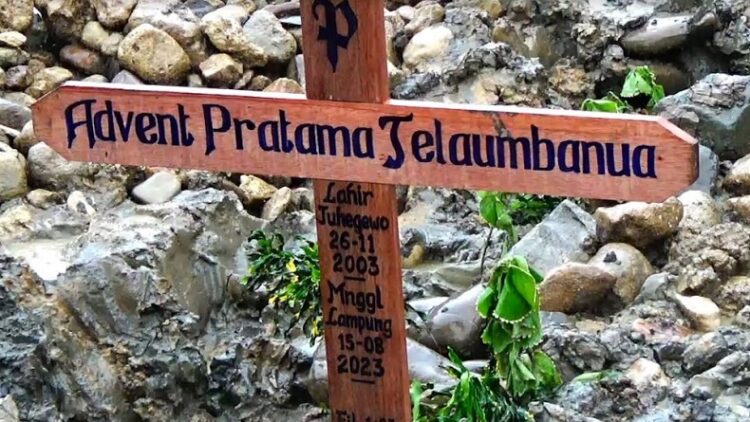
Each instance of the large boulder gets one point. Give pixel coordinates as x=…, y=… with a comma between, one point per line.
x=716, y=111
x=575, y=287
x=627, y=264
x=563, y=236
x=456, y=324
x=154, y=56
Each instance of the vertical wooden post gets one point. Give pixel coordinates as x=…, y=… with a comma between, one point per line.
x=357, y=224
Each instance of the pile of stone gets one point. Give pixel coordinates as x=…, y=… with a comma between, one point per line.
x=119, y=286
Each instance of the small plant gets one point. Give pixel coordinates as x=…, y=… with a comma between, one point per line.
x=292, y=279
x=639, y=87
x=475, y=397
x=518, y=373
x=510, y=303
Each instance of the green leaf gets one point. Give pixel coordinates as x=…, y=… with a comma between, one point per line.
x=524, y=283
x=416, y=399
x=511, y=306
x=495, y=336
x=545, y=370
x=603, y=105
x=488, y=210
x=486, y=301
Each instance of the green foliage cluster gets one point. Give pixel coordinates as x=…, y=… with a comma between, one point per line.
x=292, y=279
x=639, y=84
x=519, y=371
x=503, y=210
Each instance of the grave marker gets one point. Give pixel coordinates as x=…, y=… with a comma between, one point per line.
x=359, y=144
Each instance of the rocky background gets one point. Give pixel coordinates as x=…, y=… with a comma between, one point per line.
x=119, y=293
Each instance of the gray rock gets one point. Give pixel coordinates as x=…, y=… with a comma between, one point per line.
x=740, y=207
x=44, y=199
x=424, y=365
x=12, y=173
x=277, y=204
x=46, y=80
x=224, y=28
x=562, y=237
x=113, y=13
x=264, y=30
x=18, y=77
x=703, y=260
x=702, y=312
x=714, y=110
x=78, y=203
x=284, y=85
x=125, y=77
x=96, y=37
x=649, y=380
x=100, y=79
x=738, y=179
x=425, y=14
x=426, y=45
x=221, y=70
x=654, y=288
x=16, y=15
x=14, y=115
x=158, y=189
x=456, y=324
x=734, y=294
x=700, y=212
x=574, y=351
x=12, y=39
x=708, y=170
x=154, y=55
x=732, y=370
x=256, y=189
x=66, y=18
x=743, y=318
x=658, y=35
x=84, y=60
x=49, y=170
x=627, y=264
x=574, y=287
x=12, y=57
x=203, y=7
x=9, y=410
x=706, y=352
x=638, y=223
x=174, y=18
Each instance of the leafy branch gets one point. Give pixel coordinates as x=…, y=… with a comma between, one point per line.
x=639, y=84
x=292, y=279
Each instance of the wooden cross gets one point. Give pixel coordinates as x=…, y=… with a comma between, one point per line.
x=357, y=143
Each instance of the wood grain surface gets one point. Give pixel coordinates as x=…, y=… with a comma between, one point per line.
x=674, y=153
x=368, y=377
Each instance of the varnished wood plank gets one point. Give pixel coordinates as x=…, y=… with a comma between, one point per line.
x=216, y=145
x=369, y=363
x=360, y=72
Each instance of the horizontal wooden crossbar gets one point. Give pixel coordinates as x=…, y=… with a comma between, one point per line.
x=498, y=148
